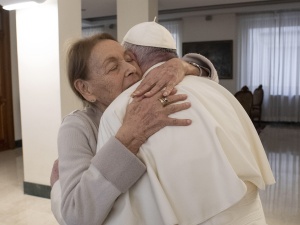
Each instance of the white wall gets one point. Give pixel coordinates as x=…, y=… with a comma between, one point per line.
x=41, y=35
x=221, y=27
x=39, y=90
x=69, y=31
x=147, y=11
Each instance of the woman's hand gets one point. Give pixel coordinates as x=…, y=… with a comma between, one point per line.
x=146, y=116
x=167, y=76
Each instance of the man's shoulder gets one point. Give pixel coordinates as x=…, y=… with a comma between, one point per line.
x=122, y=100
x=192, y=80
x=117, y=109
x=193, y=85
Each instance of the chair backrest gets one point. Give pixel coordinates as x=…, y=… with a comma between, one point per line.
x=258, y=96
x=245, y=97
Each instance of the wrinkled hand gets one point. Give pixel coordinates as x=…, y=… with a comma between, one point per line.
x=146, y=116
x=54, y=173
x=167, y=76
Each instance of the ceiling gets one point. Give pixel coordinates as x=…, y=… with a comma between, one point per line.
x=107, y=8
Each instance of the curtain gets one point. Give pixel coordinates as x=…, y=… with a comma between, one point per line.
x=269, y=54
x=175, y=28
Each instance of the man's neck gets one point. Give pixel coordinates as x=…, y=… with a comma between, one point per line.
x=150, y=63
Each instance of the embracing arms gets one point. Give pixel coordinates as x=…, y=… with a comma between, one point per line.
x=114, y=169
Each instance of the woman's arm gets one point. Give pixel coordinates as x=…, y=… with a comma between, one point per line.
x=87, y=194
x=169, y=74
x=105, y=192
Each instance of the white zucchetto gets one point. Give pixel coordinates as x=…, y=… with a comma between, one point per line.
x=150, y=34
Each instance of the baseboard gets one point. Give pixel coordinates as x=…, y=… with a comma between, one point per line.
x=18, y=143
x=38, y=190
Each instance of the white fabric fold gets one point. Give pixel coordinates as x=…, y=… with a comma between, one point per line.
x=194, y=172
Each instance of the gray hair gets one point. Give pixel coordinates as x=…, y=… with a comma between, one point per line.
x=147, y=56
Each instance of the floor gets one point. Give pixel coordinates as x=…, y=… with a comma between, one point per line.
x=15, y=207
x=281, y=201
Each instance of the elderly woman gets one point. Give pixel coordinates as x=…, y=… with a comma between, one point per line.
x=99, y=70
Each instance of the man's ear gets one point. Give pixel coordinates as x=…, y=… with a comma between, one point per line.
x=83, y=88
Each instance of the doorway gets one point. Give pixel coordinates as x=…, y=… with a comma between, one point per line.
x=6, y=110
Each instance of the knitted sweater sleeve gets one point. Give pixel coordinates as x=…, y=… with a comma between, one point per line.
x=202, y=60
x=89, y=181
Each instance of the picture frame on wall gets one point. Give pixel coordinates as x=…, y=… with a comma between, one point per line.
x=220, y=53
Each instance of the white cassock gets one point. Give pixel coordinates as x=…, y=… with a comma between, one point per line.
x=193, y=172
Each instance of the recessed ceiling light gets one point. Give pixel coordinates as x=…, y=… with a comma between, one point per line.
x=18, y=4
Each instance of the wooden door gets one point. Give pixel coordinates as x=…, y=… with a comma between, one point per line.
x=6, y=111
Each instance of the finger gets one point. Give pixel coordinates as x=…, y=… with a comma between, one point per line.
x=172, y=99
x=174, y=91
x=170, y=86
x=155, y=89
x=173, y=108
x=137, y=98
x=157, y=95
x=145, y=86
x=178, y=122
x=176, y=98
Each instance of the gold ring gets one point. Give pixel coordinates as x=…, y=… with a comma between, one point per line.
x=164, y=101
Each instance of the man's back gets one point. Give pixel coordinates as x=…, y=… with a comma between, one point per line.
x=197, y=171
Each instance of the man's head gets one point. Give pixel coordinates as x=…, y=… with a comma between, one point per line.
x=151, y=43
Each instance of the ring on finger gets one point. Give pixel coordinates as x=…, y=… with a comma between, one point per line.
x=164, y=101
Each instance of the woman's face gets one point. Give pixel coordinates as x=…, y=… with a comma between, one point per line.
x=112, y=70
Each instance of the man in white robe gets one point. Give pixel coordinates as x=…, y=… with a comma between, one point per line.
x=207, y=173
